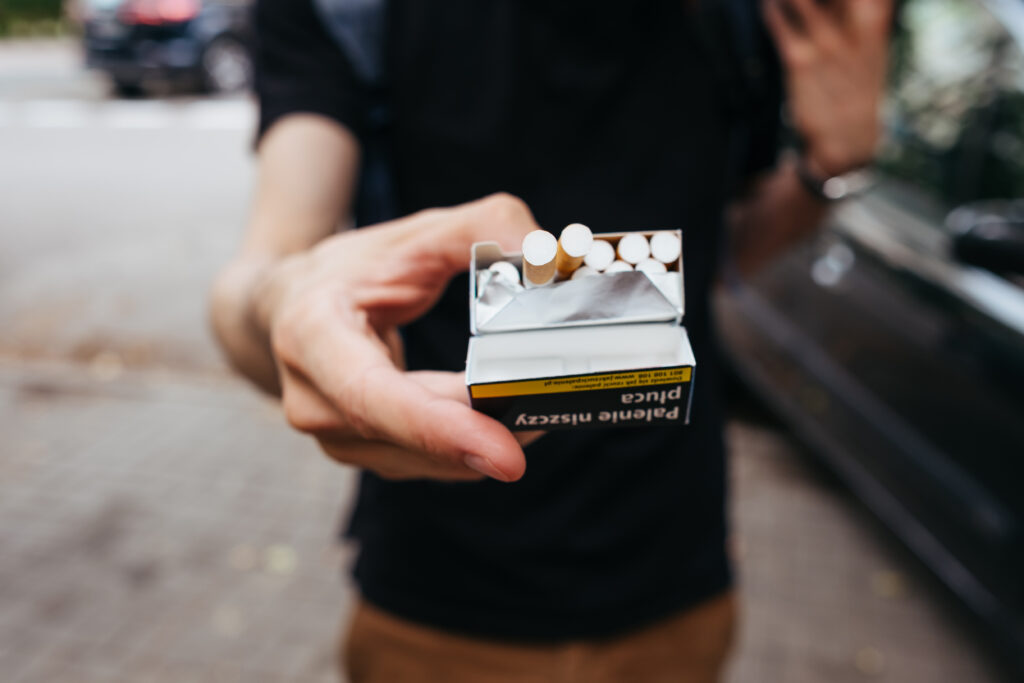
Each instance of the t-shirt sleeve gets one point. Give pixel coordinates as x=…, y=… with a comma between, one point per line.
x=300, y=68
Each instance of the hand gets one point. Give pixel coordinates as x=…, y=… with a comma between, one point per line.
x=835, y=54
x=332, y=315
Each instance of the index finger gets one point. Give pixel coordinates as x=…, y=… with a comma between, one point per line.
x=447, y=234
x=380, y=402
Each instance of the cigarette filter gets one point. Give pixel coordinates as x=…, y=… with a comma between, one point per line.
x=634, y=248
x=539, y=250
x=649, y=265
x=600, y=256
x=506, y=271
x=618, y=267
x=573, y=245
x=584, y=271
x=665, y=247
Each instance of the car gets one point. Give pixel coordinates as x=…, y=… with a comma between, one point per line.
x=892, y=342
x=203, y=44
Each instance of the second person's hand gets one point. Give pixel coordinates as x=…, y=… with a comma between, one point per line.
x=835, y=55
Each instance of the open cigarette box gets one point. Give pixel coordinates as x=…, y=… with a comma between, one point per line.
x=598, y=351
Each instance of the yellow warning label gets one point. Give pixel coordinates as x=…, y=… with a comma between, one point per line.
x=558, y=385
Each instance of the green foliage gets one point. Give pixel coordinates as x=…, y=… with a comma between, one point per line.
x=14, y=11
x=955, y=109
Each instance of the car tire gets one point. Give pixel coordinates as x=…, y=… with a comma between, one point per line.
x=226, y=66
x=128, y=89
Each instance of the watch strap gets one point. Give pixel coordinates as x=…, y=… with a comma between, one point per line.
x=834, y=188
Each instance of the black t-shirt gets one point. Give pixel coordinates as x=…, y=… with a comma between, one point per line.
x=619, y=116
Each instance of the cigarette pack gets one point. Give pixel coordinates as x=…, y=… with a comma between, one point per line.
x=598, y=351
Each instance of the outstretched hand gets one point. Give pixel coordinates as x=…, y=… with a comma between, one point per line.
x=332, y=315
x=835, y=54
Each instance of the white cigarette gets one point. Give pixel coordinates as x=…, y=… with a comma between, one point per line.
x=665, y=247
x=600, y=256
x=539, y=249
x=649, y=265
x=505, y=271
x=584, y=271
x=618, y=267
x=573, y=245
x=634, y=248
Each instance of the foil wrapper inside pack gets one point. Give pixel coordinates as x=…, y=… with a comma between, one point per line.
x=499, y=305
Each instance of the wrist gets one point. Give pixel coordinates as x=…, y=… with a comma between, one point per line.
x=855, y=179
x=824, y=164
x=267, y=284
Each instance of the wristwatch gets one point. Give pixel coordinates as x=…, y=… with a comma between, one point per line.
x=834, y=188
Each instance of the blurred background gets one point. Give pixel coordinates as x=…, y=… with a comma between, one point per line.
x=159, y=522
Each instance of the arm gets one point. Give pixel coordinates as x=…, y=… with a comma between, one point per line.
x=326, y=318
x=834, y=55
x=306, y=178
x=313, y=315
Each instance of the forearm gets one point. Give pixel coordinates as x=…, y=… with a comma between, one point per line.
x=776, y=213
x=834, y=58
x=305, y=185
x=244, y=340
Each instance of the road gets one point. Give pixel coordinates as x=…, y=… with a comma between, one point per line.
x=114, y=214
x=158, y=521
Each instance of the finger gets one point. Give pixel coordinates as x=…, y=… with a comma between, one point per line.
x=869, y=20
x=499, y=218
x=396, y=348
x=416, y=257
x=305, y=408
x=453, y=385
x=309, y=411
x=792, y=45
x=393, y=462
x=382, y=403
x=810, y=17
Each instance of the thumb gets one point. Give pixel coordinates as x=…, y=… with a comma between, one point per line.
x=501, y=218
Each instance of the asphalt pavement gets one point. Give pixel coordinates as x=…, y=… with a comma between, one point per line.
x=160, y=522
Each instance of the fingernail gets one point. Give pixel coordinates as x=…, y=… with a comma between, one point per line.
x=483, y=466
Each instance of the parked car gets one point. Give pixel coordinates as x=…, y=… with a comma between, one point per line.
x=203, y=44
x=893, y=342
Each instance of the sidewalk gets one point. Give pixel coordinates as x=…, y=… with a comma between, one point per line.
x=169, y=527
x=162, y=528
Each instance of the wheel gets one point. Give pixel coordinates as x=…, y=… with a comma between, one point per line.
x=128, y=89
x=226, y=66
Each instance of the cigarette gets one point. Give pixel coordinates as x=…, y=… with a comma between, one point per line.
x=634, y=248
x=665, y=247
x=582, y=272
x=573, y=245
x=600, y=256
x=618, y=267
x=539, y=249
x=504, y=270
x=649, y=265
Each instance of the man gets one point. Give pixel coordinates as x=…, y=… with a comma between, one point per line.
x=605, y=559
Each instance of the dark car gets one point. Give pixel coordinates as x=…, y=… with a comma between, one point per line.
x=196, y=43
x=893, y=343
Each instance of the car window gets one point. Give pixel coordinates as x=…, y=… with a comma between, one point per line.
x=955, y=105
x=1003, y=172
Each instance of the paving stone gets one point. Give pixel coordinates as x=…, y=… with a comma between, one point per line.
x=169, y=528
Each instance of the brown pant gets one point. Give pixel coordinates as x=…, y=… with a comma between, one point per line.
x=688, y=648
